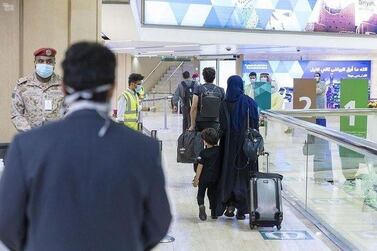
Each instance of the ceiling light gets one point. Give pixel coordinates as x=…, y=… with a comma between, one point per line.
x=180, y=45
x=128, y=48
x=158, y=52
x=145, y=56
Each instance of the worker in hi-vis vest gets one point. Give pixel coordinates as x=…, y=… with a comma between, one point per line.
x=128, y=102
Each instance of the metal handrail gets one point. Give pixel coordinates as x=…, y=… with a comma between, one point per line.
x=154, y=69
x=176, y=69
x=161, y=93
x=156, y=99
x=354, y=143
x=328, y=112
x=171, y=75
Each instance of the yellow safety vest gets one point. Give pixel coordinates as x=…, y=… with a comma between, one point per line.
x=131, y=112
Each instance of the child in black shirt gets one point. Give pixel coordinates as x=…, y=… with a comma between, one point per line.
x=207, y=172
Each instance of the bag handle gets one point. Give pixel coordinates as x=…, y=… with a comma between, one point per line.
x=248, y=118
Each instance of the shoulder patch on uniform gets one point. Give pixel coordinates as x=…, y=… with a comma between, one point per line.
x=22, y=81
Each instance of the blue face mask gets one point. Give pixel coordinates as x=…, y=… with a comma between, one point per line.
x=138, y=88
x=44, y=70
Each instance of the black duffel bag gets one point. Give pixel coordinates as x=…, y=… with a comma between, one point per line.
x=189, y=147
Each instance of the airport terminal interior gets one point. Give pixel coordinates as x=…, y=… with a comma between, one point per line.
x=315, y=84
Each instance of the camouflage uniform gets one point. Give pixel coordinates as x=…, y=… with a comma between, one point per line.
x=34, y=102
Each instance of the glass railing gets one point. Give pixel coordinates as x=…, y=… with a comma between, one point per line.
x=329, y=174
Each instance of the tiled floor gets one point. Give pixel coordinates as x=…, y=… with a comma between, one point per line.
x=223, y=234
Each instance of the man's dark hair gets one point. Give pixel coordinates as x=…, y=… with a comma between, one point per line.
x=253, y=74
x=186, y=75
x=209, y=74
x=88, y=65
x=134, y=77
x=210, y=136
x=317, y=73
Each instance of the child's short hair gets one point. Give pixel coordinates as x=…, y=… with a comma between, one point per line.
x=210, y=136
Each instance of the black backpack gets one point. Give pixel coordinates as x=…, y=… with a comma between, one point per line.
x=210, y=100
x=188, y=93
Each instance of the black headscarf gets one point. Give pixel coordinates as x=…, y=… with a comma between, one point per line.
x=235, y=94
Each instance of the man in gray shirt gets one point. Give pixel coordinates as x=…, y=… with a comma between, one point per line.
x=184, y=93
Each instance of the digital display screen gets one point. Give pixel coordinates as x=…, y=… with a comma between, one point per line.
x=339, y=16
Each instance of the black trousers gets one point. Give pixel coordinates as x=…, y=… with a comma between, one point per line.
x=186, y=119
x=210, y=187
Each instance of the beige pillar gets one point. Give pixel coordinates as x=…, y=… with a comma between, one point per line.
x=57, y=24
x=30, y=25
x=85, y=20
x=10, y=64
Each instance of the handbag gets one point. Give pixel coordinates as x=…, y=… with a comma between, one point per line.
x=253, y=145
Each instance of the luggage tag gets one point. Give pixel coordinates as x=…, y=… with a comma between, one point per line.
x=48, y=105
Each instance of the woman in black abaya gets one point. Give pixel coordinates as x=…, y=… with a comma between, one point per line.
x=233, y=181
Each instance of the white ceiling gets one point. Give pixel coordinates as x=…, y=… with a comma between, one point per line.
x=143, y=48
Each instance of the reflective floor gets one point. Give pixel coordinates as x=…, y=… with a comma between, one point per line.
x=223, y=234
x=348, y=204
x=191, y=234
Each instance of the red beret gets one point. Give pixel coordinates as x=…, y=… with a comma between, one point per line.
x=48, y=52
x=195, y=75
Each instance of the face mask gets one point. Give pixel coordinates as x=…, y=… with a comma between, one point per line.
x=317, y=79
x=263, y=79
x=252, y=80
x=44, y=70
x=138, y=88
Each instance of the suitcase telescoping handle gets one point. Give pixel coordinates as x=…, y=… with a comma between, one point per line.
x=267, y=154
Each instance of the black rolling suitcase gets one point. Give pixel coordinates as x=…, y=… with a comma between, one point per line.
x=265, y=199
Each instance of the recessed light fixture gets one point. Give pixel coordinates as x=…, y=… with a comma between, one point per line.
x=158, y=52
x=180, y=45
x=145, y=56
x=128, y=48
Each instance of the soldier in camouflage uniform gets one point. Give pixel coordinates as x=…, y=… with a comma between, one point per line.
x=38, y=97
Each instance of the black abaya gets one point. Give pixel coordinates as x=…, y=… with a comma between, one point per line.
x=235, y=173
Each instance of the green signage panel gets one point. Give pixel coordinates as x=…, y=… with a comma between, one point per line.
x=354, y=94
x=262, y=95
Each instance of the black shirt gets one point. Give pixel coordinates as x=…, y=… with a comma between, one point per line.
x=211, y=161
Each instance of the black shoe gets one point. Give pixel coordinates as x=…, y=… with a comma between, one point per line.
x=213, y=215
x=240, y=216
x=229, y=212
x=202, y=213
